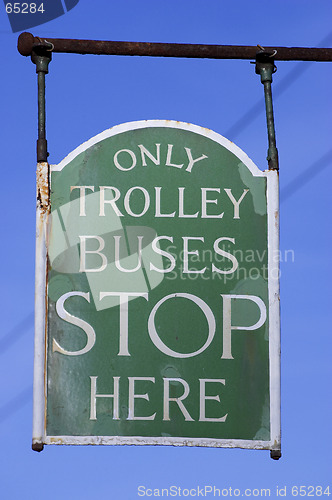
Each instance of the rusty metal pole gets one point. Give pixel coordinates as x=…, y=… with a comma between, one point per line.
x=41, y=57
x=28, y=42
x=265, y=67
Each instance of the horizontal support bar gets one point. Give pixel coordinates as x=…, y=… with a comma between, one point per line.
x=27, y=43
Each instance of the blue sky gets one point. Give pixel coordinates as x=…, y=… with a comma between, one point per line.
x=88, y=94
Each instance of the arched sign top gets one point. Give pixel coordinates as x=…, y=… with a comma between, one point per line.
x=170, y=124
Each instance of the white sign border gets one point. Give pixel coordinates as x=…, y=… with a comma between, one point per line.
x=40, y=390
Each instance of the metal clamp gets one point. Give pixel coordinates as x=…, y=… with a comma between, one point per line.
x=265, y=67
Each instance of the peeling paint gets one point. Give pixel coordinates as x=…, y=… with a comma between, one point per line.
x=43, y=188
x=39, y=386
x=153, y=441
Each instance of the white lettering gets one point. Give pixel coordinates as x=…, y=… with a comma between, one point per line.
x=158, y=342
x=146, y=201
x=191, y=160
x=168, y=158
x=94, y=396
x=117, y=255
x=73, y=320
x=186, y=253
x=84, y=251
x=227, y=320
x=163, y=253
x=236, y=203
x=229, y=256
x=158, y=210
x=133, y=396
x=181, y=205
x=82, y=197
x=205, y=201
x=123, y=296
x=110, y=202
x=145, y=152
x=131, y=154
x=203, y=398
x=177, y=400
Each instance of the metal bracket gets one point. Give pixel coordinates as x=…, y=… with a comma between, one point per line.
x=275, y=454
x=265, y=67
x=41, y=57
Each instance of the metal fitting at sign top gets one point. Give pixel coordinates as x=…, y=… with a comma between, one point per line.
x=265, y=67
x=41, y=57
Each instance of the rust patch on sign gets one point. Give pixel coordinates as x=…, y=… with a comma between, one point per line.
x=43, y=187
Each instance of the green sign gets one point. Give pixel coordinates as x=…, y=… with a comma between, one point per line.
x=159, y=249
